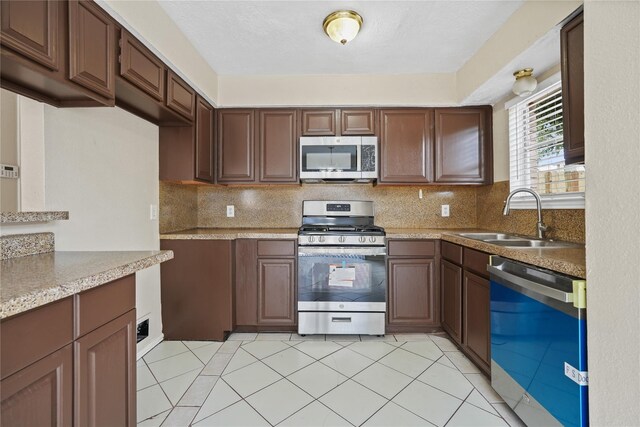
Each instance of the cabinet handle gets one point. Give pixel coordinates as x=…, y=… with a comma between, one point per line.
x=341, y=319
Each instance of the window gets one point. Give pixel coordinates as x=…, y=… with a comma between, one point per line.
x=536, y=153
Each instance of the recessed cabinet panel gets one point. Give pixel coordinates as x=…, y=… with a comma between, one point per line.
x=406, y=145
x=460, y=145
x=181, y=98
x=412, y=299
x=357, y=122
x=31, y=29
x=236, y=146
x=451, y=291
x=204, y=141
x=572, y=56
x=319, y=123
x=277, y=146
x=477, y=330
x=276, y=292
x=141, y=68
x=40, y=394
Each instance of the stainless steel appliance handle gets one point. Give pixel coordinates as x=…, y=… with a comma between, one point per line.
x=329, y=250
x=341, y=319
x=532, y=286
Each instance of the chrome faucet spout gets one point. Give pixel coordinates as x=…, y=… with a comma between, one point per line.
x=541, y=227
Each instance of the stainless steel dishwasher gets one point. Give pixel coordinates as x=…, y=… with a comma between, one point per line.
x=538, y=343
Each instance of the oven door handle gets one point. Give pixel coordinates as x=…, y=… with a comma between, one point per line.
x=371, y=251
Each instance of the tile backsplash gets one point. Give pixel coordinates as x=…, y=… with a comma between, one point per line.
x=190, y=206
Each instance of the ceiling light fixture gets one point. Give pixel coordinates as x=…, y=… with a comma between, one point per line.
x=342, y=26
x=525, y=83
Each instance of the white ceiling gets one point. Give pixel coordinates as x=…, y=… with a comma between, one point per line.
x=286, y=37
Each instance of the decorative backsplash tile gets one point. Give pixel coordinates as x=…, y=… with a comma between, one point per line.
x=178, y=207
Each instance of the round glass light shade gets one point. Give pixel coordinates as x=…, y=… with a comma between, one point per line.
x=524, y=86
x=342, y=26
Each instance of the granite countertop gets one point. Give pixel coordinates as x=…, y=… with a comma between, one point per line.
x=232, y=233
x=31, y=281
x=44, y=216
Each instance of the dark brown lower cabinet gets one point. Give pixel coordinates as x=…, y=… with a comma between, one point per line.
x=276, y=291
x=451, y=292
x=105, y=379
x=40, y=394
x=411, y=292
x=477, y=327
x=197, y=289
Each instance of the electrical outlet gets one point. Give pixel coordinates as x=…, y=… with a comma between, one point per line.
x=444, y=210
x=153, y=212
x=231, y=211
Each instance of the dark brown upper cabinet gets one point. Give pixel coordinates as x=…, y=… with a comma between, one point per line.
x=572, y=70
x=141, y=67
x=319, y=122
x=463, y=146
x=236, y=146
x=31, y=28
x=204, y=141
x=277, y=142
x=92, y=39
x=406, y=146
x=357, y=122
x=181, y=98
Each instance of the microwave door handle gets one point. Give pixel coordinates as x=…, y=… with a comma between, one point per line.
x=359, y=158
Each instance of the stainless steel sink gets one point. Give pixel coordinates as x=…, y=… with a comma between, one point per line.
x=530, y=243
x=490, y=236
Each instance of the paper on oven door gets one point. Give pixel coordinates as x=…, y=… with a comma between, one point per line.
x=342, y=275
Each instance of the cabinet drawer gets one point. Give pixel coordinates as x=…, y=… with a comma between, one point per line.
x=452, y=252
x=40, y=331
x=276, y=248
x=476, y=261
x=412, y=248
x=100, y=305
x=340, y=322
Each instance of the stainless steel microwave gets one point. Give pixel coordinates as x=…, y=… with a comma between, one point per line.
x=338, y=158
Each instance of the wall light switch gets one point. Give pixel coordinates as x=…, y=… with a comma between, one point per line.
x=231, y=211
x=420, y=193
x=444, y=210
x=153, y=212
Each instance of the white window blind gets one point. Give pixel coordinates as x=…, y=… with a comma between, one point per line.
x=536, y=152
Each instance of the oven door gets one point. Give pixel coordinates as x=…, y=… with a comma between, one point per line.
x=330, y=158
x=342, y=279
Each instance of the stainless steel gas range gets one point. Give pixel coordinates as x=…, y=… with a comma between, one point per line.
x=342, y=278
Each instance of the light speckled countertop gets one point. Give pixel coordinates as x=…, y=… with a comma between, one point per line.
x=569, y=260
x=31, y=281
x=232, y=233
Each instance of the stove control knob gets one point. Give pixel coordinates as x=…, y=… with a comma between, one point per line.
x=341, y=239
x=321, y=239
x=372, y=239
x=311, y=239
x=362, y=239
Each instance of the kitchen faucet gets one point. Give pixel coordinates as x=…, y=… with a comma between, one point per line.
x=540, y=225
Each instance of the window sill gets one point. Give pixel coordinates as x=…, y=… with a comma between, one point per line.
x=575, y=201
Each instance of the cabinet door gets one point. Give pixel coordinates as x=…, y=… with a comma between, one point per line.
x=572, y=57
x=406, y=145
x=276, y=292
x=451, y=291
x=412, y=299
x=141, y=68
x=204, y=141
x=357, y=122
x=181, y=98
x=461, y=146
x=91, y=47
x=40, y=394
x=246, y=286
x=277, y=142
x=31, y=29
x=319, y=123
x=105, y=375
x=197, y=289
x=236, y=146
x=476, y=329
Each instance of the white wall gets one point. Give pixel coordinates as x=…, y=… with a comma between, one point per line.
x=612, y=134
x=101, y=165
x=9, y=194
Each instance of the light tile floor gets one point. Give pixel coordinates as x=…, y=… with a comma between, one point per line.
x=334, y=380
